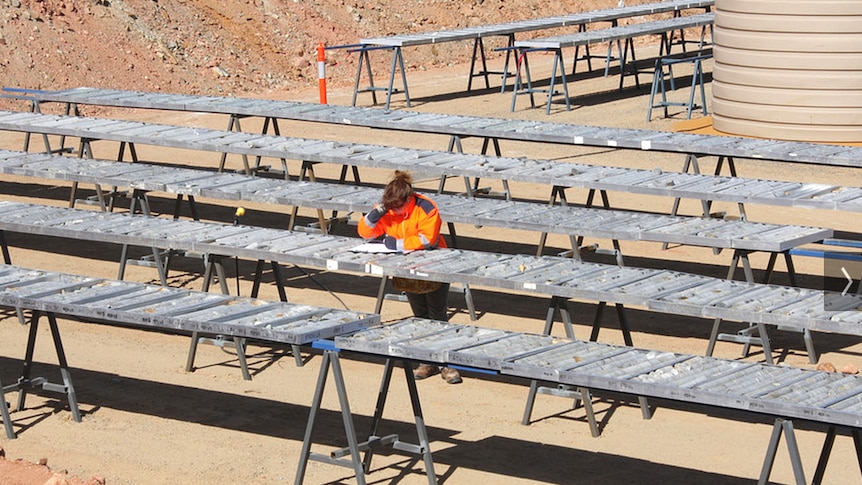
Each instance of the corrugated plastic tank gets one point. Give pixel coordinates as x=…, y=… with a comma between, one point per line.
x=788, y=69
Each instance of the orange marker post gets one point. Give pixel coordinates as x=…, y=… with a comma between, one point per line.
x=321, y=72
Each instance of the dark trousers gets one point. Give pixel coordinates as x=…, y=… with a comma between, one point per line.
x=434, y=305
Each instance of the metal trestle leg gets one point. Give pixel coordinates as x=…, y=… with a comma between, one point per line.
x=786, y=426
x=4, y=414
x=827, y=450
x=360, y=464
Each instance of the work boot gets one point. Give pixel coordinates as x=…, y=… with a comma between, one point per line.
x=450, y=375
x=424, y=371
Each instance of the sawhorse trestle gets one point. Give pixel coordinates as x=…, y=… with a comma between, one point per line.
x=323, y=223
x=609, y=57
x=234, y=125
x=558, y=194
x=691, y=164
x=479, y=52
x=559, y=67
x=352, y=456
x=785, y=426
x=365, y=62
x=70, y=110
x=473, y=189
x=682, y=42
x=213, y=263
x=160, y=260
x=659, y=83
x=85, y=150
x=756, y=334
x=581, y=395
x=27, y=381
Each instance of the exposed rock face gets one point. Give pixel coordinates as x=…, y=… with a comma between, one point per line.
x=214, y=47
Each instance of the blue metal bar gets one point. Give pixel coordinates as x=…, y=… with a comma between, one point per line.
x=365, y=48
x=848, y=243
x=324, y=345
x=24, y=90
x=816, y=253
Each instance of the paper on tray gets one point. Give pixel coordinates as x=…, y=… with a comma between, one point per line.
x=373, y=247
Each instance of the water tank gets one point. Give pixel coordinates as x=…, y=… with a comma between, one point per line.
x=788, y=69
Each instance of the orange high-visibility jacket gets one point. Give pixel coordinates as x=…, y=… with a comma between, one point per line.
x=417, y=227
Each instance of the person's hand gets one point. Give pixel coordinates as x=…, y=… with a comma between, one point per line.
x=374, y=215
x=390, y=242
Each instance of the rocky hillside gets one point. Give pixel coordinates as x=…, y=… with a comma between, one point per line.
x=220, y=47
